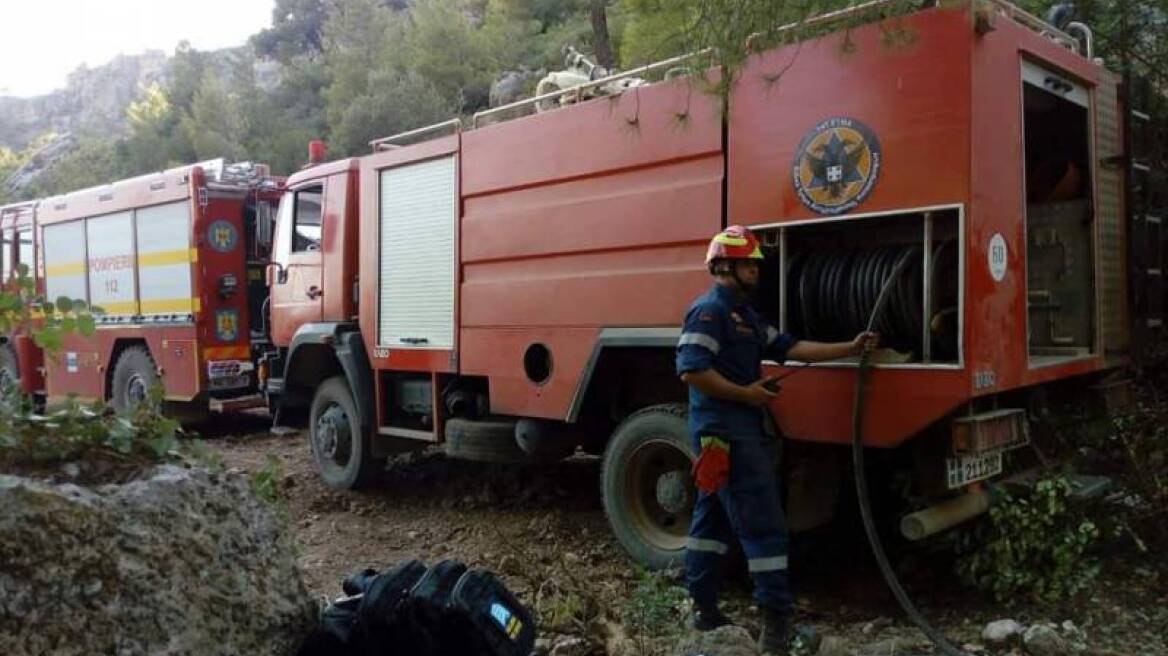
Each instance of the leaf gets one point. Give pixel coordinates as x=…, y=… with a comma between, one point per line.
x=86, y=325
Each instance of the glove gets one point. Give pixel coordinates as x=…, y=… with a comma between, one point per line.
x=712, y=467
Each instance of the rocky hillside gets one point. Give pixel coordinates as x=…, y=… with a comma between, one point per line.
x=93, y=100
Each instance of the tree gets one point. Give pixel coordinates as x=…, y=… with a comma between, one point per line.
x=441, y=44
x=395, y=102
x=214, y=126
x=297, y=29
x=601, y=43
x=93, y=162
x=155, y=141
x=356, y=42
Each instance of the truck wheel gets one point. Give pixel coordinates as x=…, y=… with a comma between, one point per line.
x=339, y=446
x=134, y=375
x=646, y=484
x=483, y=440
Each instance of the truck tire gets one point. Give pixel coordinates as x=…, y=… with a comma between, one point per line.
x=134, y=375
x=9, y=372
x=340, y=448
x=646, y=485
x=484, y=440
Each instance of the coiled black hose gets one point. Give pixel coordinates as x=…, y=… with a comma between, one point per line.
x=831, y=292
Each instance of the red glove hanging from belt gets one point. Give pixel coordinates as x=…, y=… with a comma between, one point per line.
x=712, y=467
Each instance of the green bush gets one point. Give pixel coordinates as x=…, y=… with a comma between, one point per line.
x=1035, y=544
x=75, y=430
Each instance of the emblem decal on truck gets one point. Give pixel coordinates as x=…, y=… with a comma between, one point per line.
x=221, y=236
x=226, y=325
x=836, y=165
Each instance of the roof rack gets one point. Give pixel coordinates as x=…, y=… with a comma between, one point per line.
x=580, y=88
x=1003, y=7
x=387, y=143
x=11, y=214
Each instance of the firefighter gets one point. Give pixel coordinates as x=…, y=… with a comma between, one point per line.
x=719, y=353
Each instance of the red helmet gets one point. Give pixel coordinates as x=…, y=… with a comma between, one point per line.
x=734, y=243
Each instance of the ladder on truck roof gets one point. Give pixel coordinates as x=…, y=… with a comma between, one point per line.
x=1001, y=7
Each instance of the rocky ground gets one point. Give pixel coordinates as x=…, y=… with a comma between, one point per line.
x=543, y=530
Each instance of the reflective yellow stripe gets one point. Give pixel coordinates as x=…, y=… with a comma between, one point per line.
x=226, y=353
x=170, y=305
x=162, y=258
x=66, y=269
x=123, y=307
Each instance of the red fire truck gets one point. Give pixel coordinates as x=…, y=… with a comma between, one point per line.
x=175, y=262
x=514, y=290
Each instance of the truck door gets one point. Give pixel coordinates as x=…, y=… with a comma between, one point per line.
x=297, y=295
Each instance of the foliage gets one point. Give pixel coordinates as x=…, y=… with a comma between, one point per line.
x=1035, y=544
x=266, y=481
x=74, y=430
x=297, y=28
x=654, y=606
x=394, y=103
x=77, y=431
x=20, y=304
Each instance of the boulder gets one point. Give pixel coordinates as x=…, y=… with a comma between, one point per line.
x=179, y=561
x=1000, y=632
x=723, y=641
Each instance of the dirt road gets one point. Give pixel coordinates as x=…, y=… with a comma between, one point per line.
x=544, y=531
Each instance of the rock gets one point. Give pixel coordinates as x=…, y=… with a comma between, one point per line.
x=875, y=625
x=183, y=561
x=510, y=565
x=543, y=647
x=1000, y=632
x=833, y=646
x=1074, y=634
x=1044, y=640
x=571, y=646
x=70, y=470
x=888, y=647
x=807, y=639
x=723, y=641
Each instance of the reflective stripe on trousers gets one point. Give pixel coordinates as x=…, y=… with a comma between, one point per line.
x=746, y=509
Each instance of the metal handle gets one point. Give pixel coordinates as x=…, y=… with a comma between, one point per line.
x=314, y=292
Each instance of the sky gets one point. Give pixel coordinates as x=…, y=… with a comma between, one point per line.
x=42, y=41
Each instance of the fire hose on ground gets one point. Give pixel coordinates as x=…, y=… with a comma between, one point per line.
x=890, y=577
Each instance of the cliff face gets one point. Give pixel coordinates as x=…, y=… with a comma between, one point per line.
x=94, y=100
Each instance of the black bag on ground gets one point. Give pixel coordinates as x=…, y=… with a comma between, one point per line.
x=410, y=610
x=495, y=616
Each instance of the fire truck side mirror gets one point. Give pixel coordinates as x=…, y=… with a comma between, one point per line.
x=275, y=274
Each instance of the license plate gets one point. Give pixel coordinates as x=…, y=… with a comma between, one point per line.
x=229, y=382
x=966, y=469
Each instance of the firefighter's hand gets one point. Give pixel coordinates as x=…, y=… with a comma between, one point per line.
x=865, y=342
x=712, y=468
x=758, y=394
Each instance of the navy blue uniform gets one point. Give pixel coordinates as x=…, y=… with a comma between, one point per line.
x=722, y=334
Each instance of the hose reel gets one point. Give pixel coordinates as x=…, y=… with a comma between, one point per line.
x=831, y=293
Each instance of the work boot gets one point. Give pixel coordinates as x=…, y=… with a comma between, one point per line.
x=708, y=618
x=775, y=634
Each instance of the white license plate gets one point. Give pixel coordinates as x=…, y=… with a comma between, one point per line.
x=967, y=469
x=229, y=382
